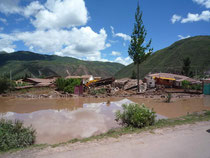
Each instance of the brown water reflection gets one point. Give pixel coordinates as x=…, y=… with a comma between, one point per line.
x=178, y=107
x=21, y=105
x=59, y=120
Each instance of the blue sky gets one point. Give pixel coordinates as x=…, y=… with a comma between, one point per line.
x=95, y=29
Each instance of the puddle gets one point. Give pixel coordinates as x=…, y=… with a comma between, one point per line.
x=55, y=126
x=60, y=120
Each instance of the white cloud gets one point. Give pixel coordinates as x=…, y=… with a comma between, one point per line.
x=80, y=43
x=33, y=8
x=8, y=50
x=6, y=43
x=205, y=3
x=204, y=16
x=9, y=6
x=183, y=37
x=114, y=53
x=124, y=61
x=122, y=35
x=61, y=14
x=3, y=20
x=49, y=35
x=175, y=18
x=54, y=14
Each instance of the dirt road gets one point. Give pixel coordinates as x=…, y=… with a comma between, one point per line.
x=186, y=141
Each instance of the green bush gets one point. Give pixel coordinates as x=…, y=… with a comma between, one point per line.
x=98, y=91
x=15, y=135
x=60, y=83
x=196, y=87
x=6, y=85
x=187, y=85
x=67, y=85
x=135, y=116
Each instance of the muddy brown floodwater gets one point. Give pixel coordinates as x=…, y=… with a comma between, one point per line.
x=59, y=120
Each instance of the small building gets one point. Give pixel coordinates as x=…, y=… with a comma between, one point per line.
x=40, y=82
x=53, y=77
x=74, y=77
x=150, y=81
x=97, y=78
x=87, y=78
x=19, y=82
x=168, y=80
x=206, y=86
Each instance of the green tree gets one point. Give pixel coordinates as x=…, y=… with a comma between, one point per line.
x=6, y=85
x=133, y=76
x=186, y=68
x=138, y=50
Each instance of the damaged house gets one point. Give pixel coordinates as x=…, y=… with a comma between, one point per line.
x=168, y=80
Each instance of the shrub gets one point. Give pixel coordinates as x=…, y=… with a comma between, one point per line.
x=135, y=116
x=98, y=91
x=5, y=85
x=185, y=84
x=196, y=87
x=15, y=135
x=60, y=83
x=67, y=85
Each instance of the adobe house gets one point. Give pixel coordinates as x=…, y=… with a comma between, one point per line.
x=39, y=82
x=168, y=80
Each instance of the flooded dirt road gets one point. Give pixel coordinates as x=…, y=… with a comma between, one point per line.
x=59, y=120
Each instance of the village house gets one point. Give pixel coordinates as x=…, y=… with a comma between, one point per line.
x=168, y=80
x=19, y=82
x=38, y=82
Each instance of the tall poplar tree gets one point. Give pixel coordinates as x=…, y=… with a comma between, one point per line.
x=138, y=49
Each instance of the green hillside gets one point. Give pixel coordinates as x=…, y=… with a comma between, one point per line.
x=36, y=65
x=170, y=59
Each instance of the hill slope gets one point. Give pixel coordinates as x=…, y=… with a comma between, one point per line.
x=21, y=63
x=170, y=59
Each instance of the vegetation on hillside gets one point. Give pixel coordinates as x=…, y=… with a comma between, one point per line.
x=31, y=64
x=15, y=135
x=170, y=59
x=186, y=68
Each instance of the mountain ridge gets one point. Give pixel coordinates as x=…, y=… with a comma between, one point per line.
x=170, y=59
x=33, y=64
